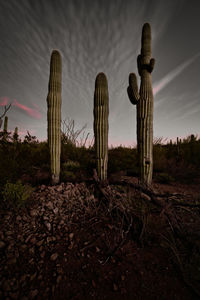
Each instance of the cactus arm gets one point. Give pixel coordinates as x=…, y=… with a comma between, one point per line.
x=151, y=65
x=132, y=89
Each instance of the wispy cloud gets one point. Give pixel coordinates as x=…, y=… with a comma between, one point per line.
x=161, y=84
x=4, y=101
x=30, y=111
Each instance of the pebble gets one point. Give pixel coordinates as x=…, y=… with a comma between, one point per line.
x=40, y=243
x=33, y=294
x=2, y=245
x=54, y=256
x=48, y=225
x=12, y=261
x=71, y=235
x=59, y=278
x=33, y=213
x=145, y=197
x=33, y=240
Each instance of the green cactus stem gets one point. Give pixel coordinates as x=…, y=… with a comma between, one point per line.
x=101, y=111
x=143, y=99
x=5, y=125
x=15, y=135
x=54, y=115
x=16, y=130
x=5, y=129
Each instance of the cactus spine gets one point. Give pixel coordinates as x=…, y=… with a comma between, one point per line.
x=101, y=111
x=144, y=101
x=54, y=115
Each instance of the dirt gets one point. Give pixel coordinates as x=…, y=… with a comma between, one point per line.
x=68, y=242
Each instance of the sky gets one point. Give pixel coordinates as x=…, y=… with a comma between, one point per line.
x=96, y=36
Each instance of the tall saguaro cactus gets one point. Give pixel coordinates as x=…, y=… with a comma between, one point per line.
x=5, y=125
x=101, y=111
x=15, y=135
x=54, y=115
x=5, y=128
x=144, y=101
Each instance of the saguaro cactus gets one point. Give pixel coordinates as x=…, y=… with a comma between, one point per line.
x=101, y=111
x=54, y=115
x=5, y=111
x=144, y=101
x=15, y=135
x=5, y=129
x=5, y=125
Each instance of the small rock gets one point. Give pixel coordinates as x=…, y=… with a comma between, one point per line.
x=33, y=276
x=145, y=197
x=31, y=261
x=55, y=210
x=14, y=295
x=23, y=278
x=28, y=238
x=32, y=251
x=54, y=256
x=42, y=254
x=33, y=240
x=8, y=232
x=59, y=188
x=71, y=235
x=40, y=243
x=49, y=239
x=33, y=294
x=93, y=284
x=59, y=278
x=48, y=225
x=42, y=187
x=122, y=277
x=2, y=245
x=12, y=261
x=59, y=270
x=33, y=213
x=49, y=205
x=24, y=218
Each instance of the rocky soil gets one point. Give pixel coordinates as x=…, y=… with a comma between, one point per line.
x=68, y=242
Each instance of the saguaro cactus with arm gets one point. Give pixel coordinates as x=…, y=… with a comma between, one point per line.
x=54, y=115
x=101, y=111
x=144, y=101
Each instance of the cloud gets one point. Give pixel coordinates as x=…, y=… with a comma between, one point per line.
x=30, y=111
x=4, y=101
x=161, y=84
x=33, y=112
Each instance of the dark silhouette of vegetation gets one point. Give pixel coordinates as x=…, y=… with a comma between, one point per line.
x=28, y=160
